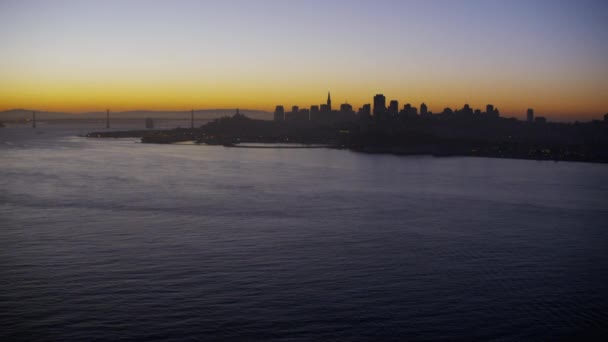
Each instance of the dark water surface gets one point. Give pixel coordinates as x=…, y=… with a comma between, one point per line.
x=112, y=239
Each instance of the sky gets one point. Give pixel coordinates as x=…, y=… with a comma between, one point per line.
x=81, y=55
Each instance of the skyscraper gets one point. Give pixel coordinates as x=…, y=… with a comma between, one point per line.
x=489, y=109
x=279, y=113
x=328, y=101
x=366, y=110
x=423, y=109
x=293, y=115
x=407, y=110
x=530, y=115
x=379, y=105
x=314, y=113
x=346, y=108
x=393, y=108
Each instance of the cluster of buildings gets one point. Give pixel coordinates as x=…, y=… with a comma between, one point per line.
x=380, y=111
x=316, y=113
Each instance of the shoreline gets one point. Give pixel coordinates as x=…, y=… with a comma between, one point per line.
x=499, y=138
x=379, y=151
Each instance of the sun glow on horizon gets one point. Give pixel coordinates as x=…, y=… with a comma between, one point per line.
x=80, y=56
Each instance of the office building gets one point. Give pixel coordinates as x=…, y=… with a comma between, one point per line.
x=366, y=110
x=346, y=108
x=530, y=115
x=393, y=108
x=423, y=109
x=379, y=105
x=279, y=113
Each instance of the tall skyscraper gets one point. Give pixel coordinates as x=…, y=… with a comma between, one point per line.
x=530, y=115
x=489, y=109
x=328, y=101
x=393, y=108
x=423, y=109
x=279, y=113
x=379, y=105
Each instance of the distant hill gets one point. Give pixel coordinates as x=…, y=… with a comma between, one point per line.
x=26, y=114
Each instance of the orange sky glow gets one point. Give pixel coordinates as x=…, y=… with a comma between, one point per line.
x=78, y=56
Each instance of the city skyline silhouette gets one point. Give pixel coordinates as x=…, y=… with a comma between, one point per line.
x=303, y=170
x=546, y=55
x=373, y=108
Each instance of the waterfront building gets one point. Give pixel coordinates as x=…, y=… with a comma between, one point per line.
x=279, y=113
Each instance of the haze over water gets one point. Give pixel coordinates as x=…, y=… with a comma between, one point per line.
x=116, y=239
